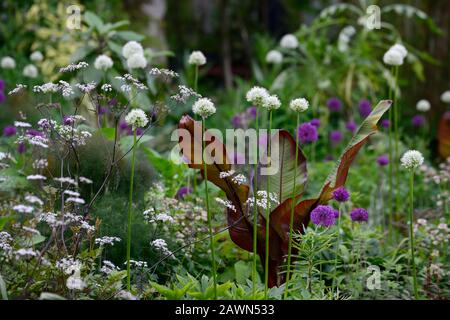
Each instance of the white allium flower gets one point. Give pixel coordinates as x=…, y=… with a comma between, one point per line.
x=272, y=103
x=400, y=48
x=257, y=96
x=299, y=105
x=103, y=62
x=137, y=61
x=393, y=57
x=36, y=56
x=204, y=107
x=30, y=71
x=274, y=56
x=8, y=63
x=75, y=283
x=289, y=41
x=130, y=48
x=197, y=58
x=412, y=159
x=423, y=105
x=445, y=97
x=136, y=118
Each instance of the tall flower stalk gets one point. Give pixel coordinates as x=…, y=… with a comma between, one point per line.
x=136, y=118
x=411, y=160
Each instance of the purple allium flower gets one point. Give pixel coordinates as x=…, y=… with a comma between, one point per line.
x=365, y=108
x=2, y=97
x=307, y=133
x=323, y=215
x=236, y=121
x=334, y=104
x=341, y=194
x=315, y=122
x=385, y=123
x=112, y=102
x=9, y=131
x=123, y=125
x=335, y=136
x=329, y=157
x=336, y=213
x=359, y=215
x=251, y=111
x=418, y=121
x=139, y=131
x=68, y=120
x=21, y=148
x=383, y=160
x=182, y=192
x=351, y=126
x=2, y=84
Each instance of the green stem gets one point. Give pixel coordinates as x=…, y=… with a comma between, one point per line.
x=255, y=209
x=390, y=198
x=411, y=233
x=266, y=263
x=335, y=283
x=130, y=203
x=396, y=138
x=291, y=221
x=211, y=235
x=196, y=78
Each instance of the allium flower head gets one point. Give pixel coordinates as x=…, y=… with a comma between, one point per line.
x=9, y=131
x=323, y=215
x=401, y=49
x=130, y=48
x=445, y=97
x=103, y=62
x=341, y=194
x=359, y=215
x=334, y=104
x=365, y=108
x=251, y=111
x=393, y=57
x=299, y=105
x=30, y=71
x=36, y=56
x=197, y=58
x=136, y=61
x=274, y=57
x=385, y=123
x=307, y=133
x=412, y=159
x=272, y=103
x=351, y=126
x=257, y=96
x=2, y=97
x=315, y=122
x=289, y=41
x=182, y=192
x=336, y=136
x=204, y=107
x=423, y=105
x=383, y=160
x=2, y=84
x=418, y=121
x=136, y=118
x=7, y=63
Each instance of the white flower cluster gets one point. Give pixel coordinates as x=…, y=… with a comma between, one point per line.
x=75, y=200
x=5, y=242
x=136, y=118
x=25, y=253
x=289, y=41
x=226, y=174
x=72, y=193
x=423, y=105
x=33, y=199
x=134, y=53
x=161, y=245
x=274, y=57
x=103, y=62
x=262, y=199
x=74, y=66
x=163, y=72
x=137, y=263
x=36, y=177
x=85, y=180
x=204, y=107
x=108, y=267
x=103, y=241
x=344, y=38
x=395, y=55
x=21, y=124
x=106, y=87
x=162, y=217
x=239, y=179
x=40, y=164
x=8, y=63
x=72, y=135
x=36, y=56
x=412, y=159
x=30, y=71
x=66, y=180
x=23, y=208
x=128, y=81
x=48, y=87
x=445, y=97
x=86, y=87
x=299, y=105
x=66, y=89
x=226, y=203
x=257, y=96
x=19, y=87
x=272, y=102
x=197, y=58
x=184, y=93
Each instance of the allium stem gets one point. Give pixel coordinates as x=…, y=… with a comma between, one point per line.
x=130, y=204
x=211, y=235
x=291, y=220
x=396, y=137
x=390, y=198
x=255, y=209
x=266, y=263
x=411, y=233
x=338, y=240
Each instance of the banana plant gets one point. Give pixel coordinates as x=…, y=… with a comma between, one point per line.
x=239, y=218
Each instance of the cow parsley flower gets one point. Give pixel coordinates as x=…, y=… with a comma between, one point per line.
x=30, y=71
x=272, y=103
x=34, y=199
x=289, y=41
x=412, y=159
x=107, y=240
x=103, y=62
x=106, y=87
x=161, y=245
x=36, y=177
x=423, y=105
x=75, y=283
x=239, y=179
x=23, y=208
x=8, y=63
x=274, y=57
x=136, y=118
x=197, y=58
x=132, y=47
x=48, y=87
x=257, y=96
x=299, y=105
x=226, y=203
x=74, y=67
x=204, y=107
x=161, y=217
x=85, y=180
x=19, y=87
x=36, y=56
x=75, y=200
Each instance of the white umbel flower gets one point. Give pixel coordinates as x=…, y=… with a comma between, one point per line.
x=289, y=41
x=8, y=63
x=299, y=105
x=423, y=105
x=197, y=58
x=130, y=48
x=30, y=71
x=136, y=118
x=103, y=62
x=137, y=61
x=445, y=97
x=257, y=96
x=412, y=159
x=204, y=107
x=274, y=57
x=36, y=56
x=272, y=103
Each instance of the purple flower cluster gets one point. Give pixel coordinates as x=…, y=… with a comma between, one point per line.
x=124, y=127
x=315, y=122
x=418, y=121
x=385, y=123
x=351, y=126
x=336, y=136
x=2, y=91
x=307, y=133
x=383, y=160
x=241, y=120
x=359, y=215
x=341, y=194
x=365, y=108
x=334, y=104
x=323, y=215
x=183, y=191
x=9, y=131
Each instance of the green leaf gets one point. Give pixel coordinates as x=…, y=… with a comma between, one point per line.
x=81, y=53
x=3, y=291
x=108, y=133
x=94, y=21
x=242, y=270
x=50, y=296
x=116, y=48
x=166, y=167
x=4, y=220
x=31, y=241
x=129, y=36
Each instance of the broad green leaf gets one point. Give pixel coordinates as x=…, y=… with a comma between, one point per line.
x=129, y=36
x=3, y=291
x=243, y=271
x=94, y=21
x=108, y=133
